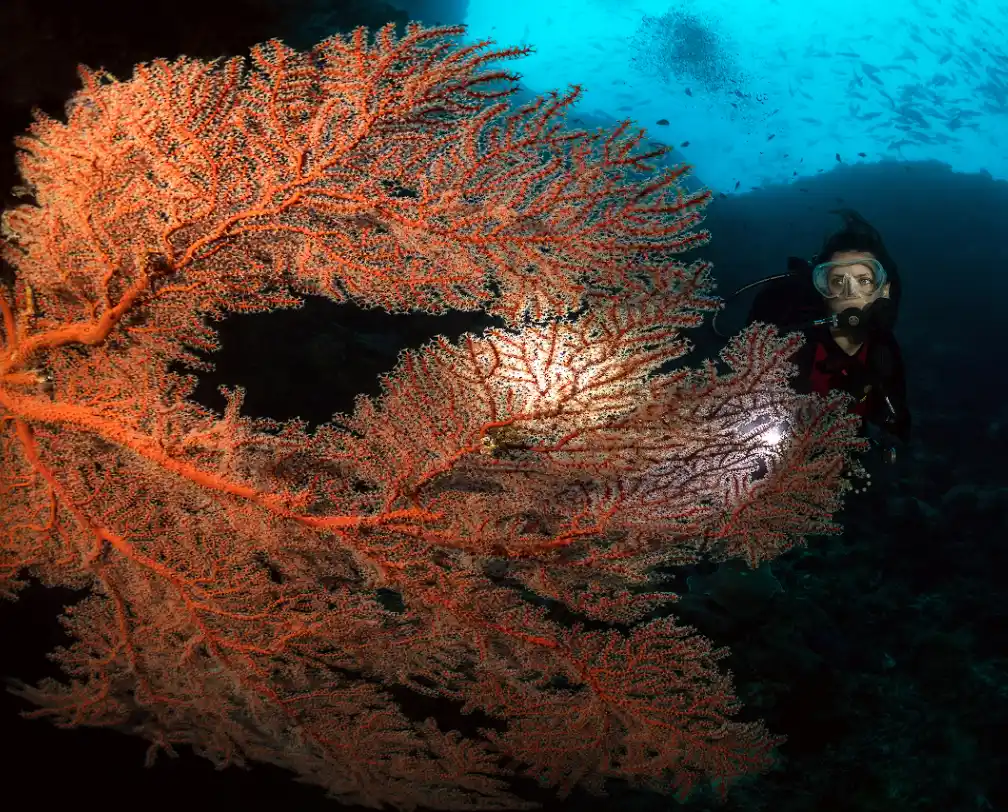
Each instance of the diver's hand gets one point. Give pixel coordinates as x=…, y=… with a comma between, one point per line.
x=882, y=444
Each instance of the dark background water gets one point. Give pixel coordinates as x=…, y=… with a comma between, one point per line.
x=884, y=656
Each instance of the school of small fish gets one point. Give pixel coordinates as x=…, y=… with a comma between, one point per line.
x=900, y=103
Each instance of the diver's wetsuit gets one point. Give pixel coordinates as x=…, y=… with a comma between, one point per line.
x=872, y=373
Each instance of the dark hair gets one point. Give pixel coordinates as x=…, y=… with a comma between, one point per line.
x=858, y=234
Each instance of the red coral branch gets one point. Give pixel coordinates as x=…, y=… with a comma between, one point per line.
x=234, y=563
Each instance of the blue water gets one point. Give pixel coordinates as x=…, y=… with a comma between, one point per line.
x=775, y=92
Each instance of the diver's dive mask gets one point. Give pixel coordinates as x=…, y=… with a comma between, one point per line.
x=849, y=278
x=879, y=313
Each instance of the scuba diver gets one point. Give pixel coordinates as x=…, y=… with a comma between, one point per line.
x=845, y=301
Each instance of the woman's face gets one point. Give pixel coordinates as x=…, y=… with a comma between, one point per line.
x=853, y=285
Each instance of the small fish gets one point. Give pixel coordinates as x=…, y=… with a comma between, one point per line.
x=862, y=155
x=771, y=136
x=689, y=92
x=838, y=158
x=738, y=183
x=662, y=122
x=794, y=174
x=684, y=144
